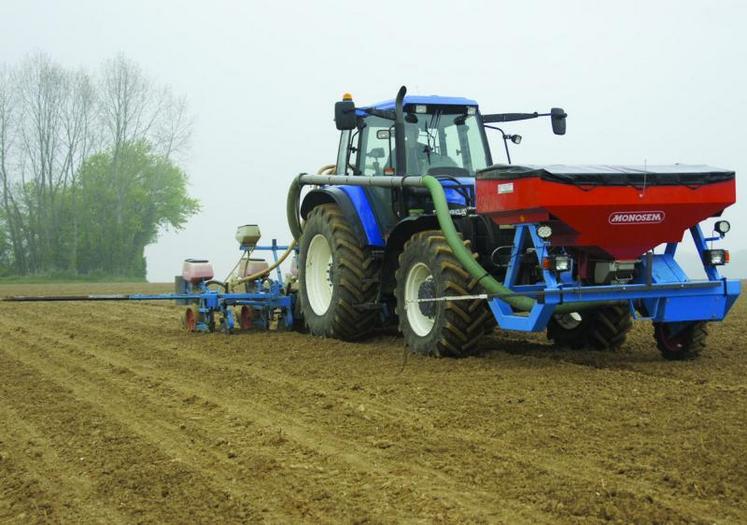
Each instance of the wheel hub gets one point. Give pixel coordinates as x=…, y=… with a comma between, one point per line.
x=673, y=340
x=427, y=290
x=569, y=321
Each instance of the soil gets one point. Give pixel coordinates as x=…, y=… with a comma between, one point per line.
x=110, y=413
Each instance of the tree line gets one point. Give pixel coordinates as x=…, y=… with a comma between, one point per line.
x=88, y=170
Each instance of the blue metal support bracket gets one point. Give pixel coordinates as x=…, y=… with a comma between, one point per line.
x=664, y=295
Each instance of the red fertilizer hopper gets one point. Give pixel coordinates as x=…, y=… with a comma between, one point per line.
x=608, y=212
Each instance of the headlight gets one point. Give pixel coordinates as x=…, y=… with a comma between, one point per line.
x=717, y=257
x=722, y=227
x=558, y=263
x=562, y=264
x=544, y=231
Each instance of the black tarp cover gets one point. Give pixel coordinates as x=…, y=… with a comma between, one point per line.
x=610, y=175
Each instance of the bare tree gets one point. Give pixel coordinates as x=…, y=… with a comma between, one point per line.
x=125, y=104
x=57, y=132
x=134, y=110
x=51, y=121
x=41, y=86
x=174, y=127
x=79, y=134
x=80, y=139
x=11, y=214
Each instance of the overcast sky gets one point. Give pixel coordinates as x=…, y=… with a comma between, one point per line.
x=662, y=82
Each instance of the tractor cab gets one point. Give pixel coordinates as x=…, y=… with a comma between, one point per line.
x=412, y=136
x=442, y=136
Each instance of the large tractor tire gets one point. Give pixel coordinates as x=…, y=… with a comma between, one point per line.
x=604, y=328
x=337, y=276
x=681, y=341
x=429, y=269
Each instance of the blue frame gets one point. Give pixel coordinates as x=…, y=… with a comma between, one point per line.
x=264, y=299
x=668, y=296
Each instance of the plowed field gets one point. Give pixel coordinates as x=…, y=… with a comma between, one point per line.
x=110, y=413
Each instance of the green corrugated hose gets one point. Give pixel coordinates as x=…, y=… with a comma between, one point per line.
x=487, y=281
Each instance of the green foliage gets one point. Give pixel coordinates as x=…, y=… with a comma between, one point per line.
x=121, y=201
x=5, y=250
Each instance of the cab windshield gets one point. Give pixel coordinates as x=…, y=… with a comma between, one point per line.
x=445, y=138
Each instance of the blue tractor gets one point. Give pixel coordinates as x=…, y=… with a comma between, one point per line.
x=399, y=231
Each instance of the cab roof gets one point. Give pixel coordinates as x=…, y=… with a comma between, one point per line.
x=431, y=99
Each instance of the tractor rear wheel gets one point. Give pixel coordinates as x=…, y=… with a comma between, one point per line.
x=428, y=269
x=604, y=328
x=338, y=277
x=681, y=341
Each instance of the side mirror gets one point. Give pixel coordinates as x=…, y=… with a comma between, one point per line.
x=345, y=117
x=557, y=117
x=383, y=134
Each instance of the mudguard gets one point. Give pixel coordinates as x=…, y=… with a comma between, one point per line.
x=355, y=206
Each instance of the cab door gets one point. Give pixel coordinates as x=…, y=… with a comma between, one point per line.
x=373, y=149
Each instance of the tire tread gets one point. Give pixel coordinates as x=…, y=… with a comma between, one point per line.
x=465, y=322
x=358, y=280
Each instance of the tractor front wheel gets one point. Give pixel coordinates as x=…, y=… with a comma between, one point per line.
x=428, y=270
x=681, y=341
x=338, y=277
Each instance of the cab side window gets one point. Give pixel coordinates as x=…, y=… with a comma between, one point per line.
x=452, y=146
x=342, y=153
x=375, y=146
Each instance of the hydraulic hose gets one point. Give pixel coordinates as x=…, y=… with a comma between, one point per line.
x=294, y=197
x=487, y=281
x=293, y=201
x=453, y=239
x=267, y=270
x=292, y=207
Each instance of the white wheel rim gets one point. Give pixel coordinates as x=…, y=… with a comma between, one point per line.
x=569, y=321
x=420, y=323
x=319, y=287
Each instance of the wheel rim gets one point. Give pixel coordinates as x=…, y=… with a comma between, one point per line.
x=569, y=321
x=673, y=343
x=190, y=322
x=245, y=318
x=418, y=278
x=318, y=280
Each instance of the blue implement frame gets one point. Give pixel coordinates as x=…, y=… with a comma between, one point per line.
x=267, y=296
x=662, y=290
